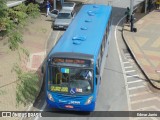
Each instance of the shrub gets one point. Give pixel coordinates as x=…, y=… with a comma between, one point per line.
x=18, y=17
x=33, y=10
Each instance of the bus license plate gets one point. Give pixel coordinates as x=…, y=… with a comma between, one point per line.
x=68, y=106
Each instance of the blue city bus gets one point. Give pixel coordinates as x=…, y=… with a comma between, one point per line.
x=74, y=65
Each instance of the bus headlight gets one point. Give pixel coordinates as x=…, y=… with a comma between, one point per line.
x=50, y=97
x=89, y=100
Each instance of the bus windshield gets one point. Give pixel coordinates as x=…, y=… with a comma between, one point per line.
x=70, y=80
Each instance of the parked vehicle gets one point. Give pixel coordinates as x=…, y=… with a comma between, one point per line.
x=63, y=19
x=68, y=6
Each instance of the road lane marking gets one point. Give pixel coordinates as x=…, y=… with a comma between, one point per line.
x=44, y=105
x=42, y=109
x=57, y=36
x=128, y=67
x=120, y=58
x=125, y=62
x=127, y=54
x=47, y=41
x=146, y=108
x=145, y=100
x=139, y=80
x=138, y=94
x=130, y=71
x=128, y=57
x=129, y=76
x=137, y=87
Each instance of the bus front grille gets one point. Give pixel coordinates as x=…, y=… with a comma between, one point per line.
x=69, y=97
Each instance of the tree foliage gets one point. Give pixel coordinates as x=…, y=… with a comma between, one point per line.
x=22, y=7
x=3, y=7
x=13, y=20
x=33, y=10
x=18, y=17
x=27, y=88
x=3, y=15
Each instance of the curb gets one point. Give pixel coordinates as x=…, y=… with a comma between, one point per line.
x=134, y=57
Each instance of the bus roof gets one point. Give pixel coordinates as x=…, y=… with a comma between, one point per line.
x=85, y=33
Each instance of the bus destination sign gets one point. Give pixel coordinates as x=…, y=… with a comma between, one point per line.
x=71, y=61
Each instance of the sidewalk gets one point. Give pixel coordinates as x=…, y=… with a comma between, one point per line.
x=145, y=44
x=35, y=37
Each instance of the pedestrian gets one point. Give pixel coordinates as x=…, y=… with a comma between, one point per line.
x=48, y=6
x=127, y=13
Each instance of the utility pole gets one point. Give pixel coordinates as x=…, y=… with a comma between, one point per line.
x=54, y=4
x=131, y=6
x=146, y=5
x=131, y=14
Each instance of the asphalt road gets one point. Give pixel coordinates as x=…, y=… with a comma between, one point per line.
x=113, y=95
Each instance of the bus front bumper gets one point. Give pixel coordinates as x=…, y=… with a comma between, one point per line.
x=90, y=107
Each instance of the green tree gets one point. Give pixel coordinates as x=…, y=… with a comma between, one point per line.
x=13, y=20
x=27, y=87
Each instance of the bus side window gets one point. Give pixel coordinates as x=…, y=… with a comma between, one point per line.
x=104, y=40
x=108, y=28
x=101, y=50
x=107, y=32
x=99, y=60
x=98, y=64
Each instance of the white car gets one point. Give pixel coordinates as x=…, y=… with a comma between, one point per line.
x=63, y=19
x=68, y=6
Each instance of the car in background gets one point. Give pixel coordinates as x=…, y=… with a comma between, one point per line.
x=63, y=19
x=68, y=5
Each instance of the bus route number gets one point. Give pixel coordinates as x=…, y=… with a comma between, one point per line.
x=59, y=89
